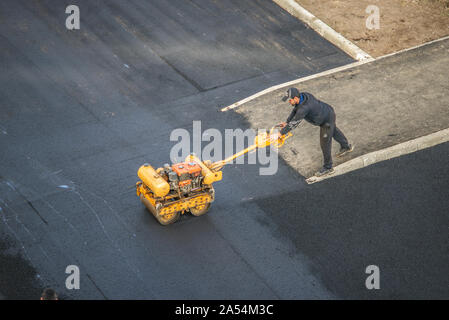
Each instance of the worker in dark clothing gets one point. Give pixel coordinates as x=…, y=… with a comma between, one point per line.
x=306, y=106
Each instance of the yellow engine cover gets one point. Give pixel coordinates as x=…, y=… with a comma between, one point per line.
x=153, y=180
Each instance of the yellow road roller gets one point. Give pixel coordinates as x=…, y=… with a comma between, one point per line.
x=183, y=187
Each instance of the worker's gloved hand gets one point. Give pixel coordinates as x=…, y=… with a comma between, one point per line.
x=282, y=124
x=284, y=131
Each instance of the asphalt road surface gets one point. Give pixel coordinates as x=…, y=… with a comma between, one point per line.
x=81, y=110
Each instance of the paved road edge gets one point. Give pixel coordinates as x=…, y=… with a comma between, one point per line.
x=292, y=83
x=292, y=7
x=400, y=149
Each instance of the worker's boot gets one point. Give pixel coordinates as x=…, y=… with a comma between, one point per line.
x=324, y=171
x=344, y=151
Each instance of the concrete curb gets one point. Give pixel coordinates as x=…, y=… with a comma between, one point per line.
x=412, y=48
x=386, y=154
x=292, y=7
x=292, y=83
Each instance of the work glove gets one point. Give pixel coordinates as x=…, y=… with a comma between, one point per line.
x=281, y=125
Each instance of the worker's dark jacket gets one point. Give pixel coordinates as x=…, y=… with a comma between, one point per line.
x=311, y=109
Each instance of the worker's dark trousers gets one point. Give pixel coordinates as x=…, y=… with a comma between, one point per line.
x=328, y=131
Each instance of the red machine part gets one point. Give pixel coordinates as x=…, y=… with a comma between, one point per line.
x=187, y=168
x=184, y=183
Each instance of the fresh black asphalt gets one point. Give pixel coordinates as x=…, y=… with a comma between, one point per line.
x=81, y=110
x=393, y=214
